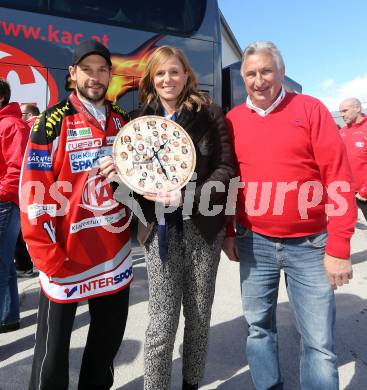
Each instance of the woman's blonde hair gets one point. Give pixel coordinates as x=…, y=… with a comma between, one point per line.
x=189, y=97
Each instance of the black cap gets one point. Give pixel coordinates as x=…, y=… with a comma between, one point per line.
x=87, y=48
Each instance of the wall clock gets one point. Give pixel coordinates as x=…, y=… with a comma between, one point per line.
x=153, y=154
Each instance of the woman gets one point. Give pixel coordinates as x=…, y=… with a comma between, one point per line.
x=182, y=255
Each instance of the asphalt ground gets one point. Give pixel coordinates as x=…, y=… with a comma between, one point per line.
x=227, y=368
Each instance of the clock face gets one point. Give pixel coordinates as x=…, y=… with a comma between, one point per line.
x=153, y=154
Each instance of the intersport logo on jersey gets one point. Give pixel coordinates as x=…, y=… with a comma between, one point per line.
x=28, y=78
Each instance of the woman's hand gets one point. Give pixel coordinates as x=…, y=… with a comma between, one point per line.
x=107, y=167
x=173, y=198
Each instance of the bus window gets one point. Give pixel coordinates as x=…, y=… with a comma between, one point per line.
x=182, y=18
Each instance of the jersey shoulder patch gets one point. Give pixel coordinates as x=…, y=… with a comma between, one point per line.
x=120, y=111
x=47, y=126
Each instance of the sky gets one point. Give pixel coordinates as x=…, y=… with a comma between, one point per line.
x=323, y=42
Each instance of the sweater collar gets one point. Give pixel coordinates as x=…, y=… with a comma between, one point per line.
x=275, y=104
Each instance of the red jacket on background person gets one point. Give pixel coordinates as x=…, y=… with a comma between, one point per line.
x=355, y=140
x=13, y=140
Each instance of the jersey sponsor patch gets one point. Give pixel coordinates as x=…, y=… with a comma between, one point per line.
x=110, y=140
x=111, y=280
x=97, y=194
x=39, y=160
x=80, y=132
x=84, y=144
x=86, y=160
x=102, y=220
x=35, y=210
x=75, y=123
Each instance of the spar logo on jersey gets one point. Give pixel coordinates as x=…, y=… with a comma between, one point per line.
x=86, y=160
x=29, y=80
x=97, y=194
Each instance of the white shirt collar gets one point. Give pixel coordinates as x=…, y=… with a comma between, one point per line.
x=98, y=112
x=262, y=112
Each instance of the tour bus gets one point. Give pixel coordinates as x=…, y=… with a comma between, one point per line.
x=37, y=39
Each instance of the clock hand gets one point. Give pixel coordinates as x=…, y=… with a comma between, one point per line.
x=162, y=146
x=155, y=152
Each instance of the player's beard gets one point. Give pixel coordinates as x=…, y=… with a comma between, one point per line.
x=92, y=96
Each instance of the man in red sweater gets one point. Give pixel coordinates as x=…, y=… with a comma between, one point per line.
x=13, y=139
x=296, y=212
x=354, y=135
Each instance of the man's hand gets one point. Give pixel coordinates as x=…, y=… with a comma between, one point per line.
x=107, y=167
x=338, y=271
x=229, y=247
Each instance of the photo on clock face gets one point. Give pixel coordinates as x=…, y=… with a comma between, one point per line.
x=137, y=167
x=167, y=149
x=183, y=165
x=174, y=180
x=172, y=168
x=165, y=158
x=141, y=183
x=176, y=133
x=159, y=185
x=184, y=150
x=141, y=147
x=185, y=140
x=151, y=124
x=130, y=147
x=127, y=139
x=176, y=144
x=157, y=144
x=129, y=172
x=159, y=171
x=164, y=125
x=148, y=140
x=155, y=133
x=139, y=137
x=137, y=157
x=124, y=155
x=164, y=137
x=136, y=126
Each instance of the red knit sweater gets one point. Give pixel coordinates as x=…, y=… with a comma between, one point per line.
x=287, y=161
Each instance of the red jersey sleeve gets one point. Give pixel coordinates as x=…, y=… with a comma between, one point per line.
x=38, y=207
x=13, y=144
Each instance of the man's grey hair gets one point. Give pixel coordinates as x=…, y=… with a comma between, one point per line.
x=258, y=46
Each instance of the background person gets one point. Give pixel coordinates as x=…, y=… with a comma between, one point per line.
x=290, y=141
x=13, y=139
x=182, y=253
x=29, y=113
x=78, y=258
x=23, y=261
x=354, y=135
